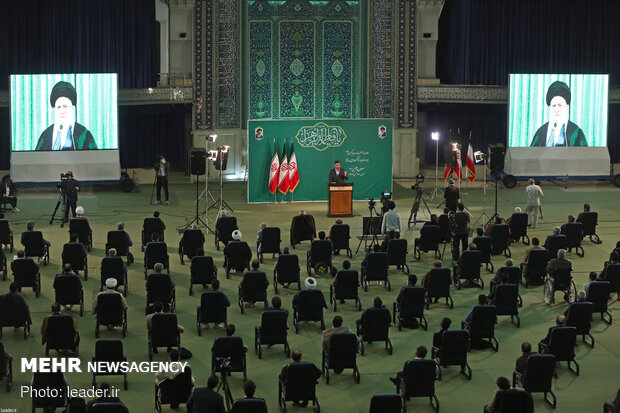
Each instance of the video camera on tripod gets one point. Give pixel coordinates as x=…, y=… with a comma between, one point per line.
x=419, y=189
x=223, y=365
x=419, y=180
x=64, y=178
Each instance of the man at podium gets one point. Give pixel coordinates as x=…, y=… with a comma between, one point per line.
x=337, y=175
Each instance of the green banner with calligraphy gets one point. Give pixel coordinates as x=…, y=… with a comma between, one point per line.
x=363, y=146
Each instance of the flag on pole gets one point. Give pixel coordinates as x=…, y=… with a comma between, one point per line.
x=283, y=181
x=470, y=171
x=457, y=170
x=293, y=173
x=274, y=168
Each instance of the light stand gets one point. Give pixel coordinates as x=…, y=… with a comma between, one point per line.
x=206, y=193
x=220, y=163
x=479, y=156
x=435, y=137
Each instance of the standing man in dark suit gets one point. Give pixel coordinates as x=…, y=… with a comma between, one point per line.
x=161, y=172
x=206, y=399
x=451, y=195
x=71, y=187
x=337, y=175
x=461, y=230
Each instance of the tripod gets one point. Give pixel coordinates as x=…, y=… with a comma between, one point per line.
x=220, y=200
x=416, y=206
x=483, y=216
x=197, y=219
x=154, y=185
x=62, y=199
x=495, y=214
x=226, y=388
x=370, y=228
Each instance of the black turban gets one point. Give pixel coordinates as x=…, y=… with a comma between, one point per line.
x=558, y=88
x=63, y=89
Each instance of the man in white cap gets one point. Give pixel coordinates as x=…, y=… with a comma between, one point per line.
x=110, y=283
x=237, y=248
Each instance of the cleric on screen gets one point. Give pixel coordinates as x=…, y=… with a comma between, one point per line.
x=65, y=133
x=562, y=132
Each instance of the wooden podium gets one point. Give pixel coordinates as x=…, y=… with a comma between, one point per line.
x=340, y=200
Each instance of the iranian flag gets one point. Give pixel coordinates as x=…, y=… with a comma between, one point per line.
x=293, y=173
x=457, y=170
x=470, y=166
x=284, y=180
x=274, y=168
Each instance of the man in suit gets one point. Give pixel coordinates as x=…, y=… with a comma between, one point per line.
x=337, y=328
x=526, y=349
x=571, y=219
x=438, y=336
x=461, y=231
x=559, y=264
x=559, y=131
x=7, y=193
x=70, y=187
x=296, y=358
x=161, y=172
x=65, y=134
x=451, y=194
x=337, y=175
x=559, y=322
x=556, y=233
x=206, y=399
x=249, y=277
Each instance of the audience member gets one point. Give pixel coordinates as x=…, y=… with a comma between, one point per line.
x=106, y=397
x=19, y=302
x=425, y=280
x=55, y=311
x=110, y=283
x=296, y=358
x=591, y=278
x=502, y=384
x=444, y=325
x=420, y=354
x=526, y=350
x=206, y=399
x=559, y=322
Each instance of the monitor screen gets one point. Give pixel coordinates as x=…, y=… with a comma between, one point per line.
x=547, y=110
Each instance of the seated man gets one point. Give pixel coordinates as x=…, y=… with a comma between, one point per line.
x=559, y=322
x=162, y=227
x=420, y=354
x=81, y=254
x=412, y=280
x=502, y=384
x=480, y=235
x=390, y=235
x=296, y=358
x=482, y=300
x=591, y=278
x=503, y=279
x=67, y=271
x=19, y=302
x=571, y=219
x=110, y=283
x=556, y=233
x=559, y=264
x=238, y=246
x=432, y=221
x=586, y=208
x=104, y=389
x=174, y=360
x=7, y=193
x=436, y=264
x=526, y=349
x=80, y=221
x=535, y=246
x=249, y=389
x=159, y=276
x=206, y=399
x=346, y=266
x=8, y=234
x=496, y=279
x=459, y=262
x=489, y=228
x=55, y=311
x=158, y=307
x=121, y=227
x=614, y=258
x=330, y=236
x=377, y=308
x=517, y=211
x=254, y=279
x=375, y=248
x=580, y=298
x=336, y=328
x=259, y=234
x=445, y=325
x=30, y=228
x=322, y=238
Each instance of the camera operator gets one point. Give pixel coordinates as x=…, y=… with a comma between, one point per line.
x=451, y=195
x=161, y=172
x=460, y=230
x=70, y=187
x=391, y=220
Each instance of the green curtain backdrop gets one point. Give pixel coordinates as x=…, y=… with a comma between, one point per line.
x=96, y=107
x=318, y=143
x=527, y=108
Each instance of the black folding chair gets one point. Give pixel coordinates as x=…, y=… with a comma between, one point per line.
x=49, y=391
x=342, y=354
x=110, y=312
x=108, y=350
x=9, y=317
x=114, y=267
x=612, y=275
x=224, y=227
x=156, y=252
x=286, y=271
x=229, y=347
x=562, y=346
x=345, y=287
x=512, y=400
x=397, y=254
x=507, y=301
x=174, y=391
x=560, y=281
x=6, y=236
x=61, y=334
x=6, y=367
x=470, y=269
x=376, y=269
x=269, y=243
x=574, y=235
x=453, y=352
x=340, y=234
x=410, y=307
x=237, y=256
x=535, y=270
x=482, y=325
x=26, y=274
x=309, y=307
x=439, y=281
x=117, y=239
x=34, y=246
x=253, y=289
x=319, y=257
x=249, y=405
x=580, y=316
x=555, y=243
x=589, y=220
x=272, y=330
x=75, y=254
x=108, y=407
x=515, y=277
x=68, y=290
x=418, y=380
x=202, y=271
x=164, y=332
x=387, y=403
x=598, y=294
x=518, y=227
x=81, y=227
x=500, y=234
x=213, y=308
x=299, y=386
x=159, y=288
x=3, y=265
x=193, y=240
x=375, y=326
x=152, y=225
x=430, y=237
x=484, y=244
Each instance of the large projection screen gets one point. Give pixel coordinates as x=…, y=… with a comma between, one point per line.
x=557, y=123
x=62, y=122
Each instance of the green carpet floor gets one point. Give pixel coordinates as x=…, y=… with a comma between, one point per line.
x=105, y=206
